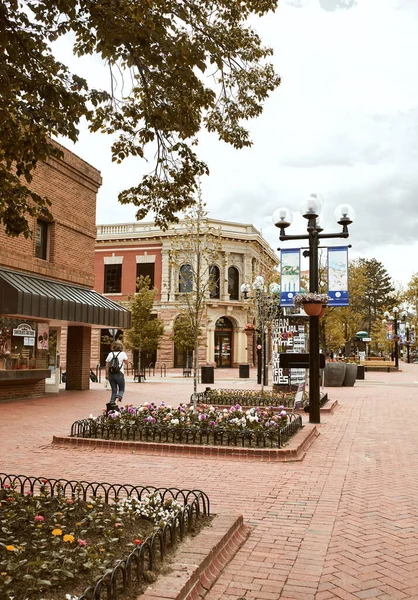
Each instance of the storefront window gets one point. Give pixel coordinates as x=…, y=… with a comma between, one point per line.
x=23, y=344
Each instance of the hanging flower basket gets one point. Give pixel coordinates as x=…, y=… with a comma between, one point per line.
x=313, y=309
x=322, y=313
x=311, y=302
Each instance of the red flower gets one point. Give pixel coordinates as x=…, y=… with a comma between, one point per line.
x=44, y=480
x=138, y=542
x=9, y=499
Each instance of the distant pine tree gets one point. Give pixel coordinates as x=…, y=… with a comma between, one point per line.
x=379, y=291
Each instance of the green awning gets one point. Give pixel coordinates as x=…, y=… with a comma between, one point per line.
x=38, y=297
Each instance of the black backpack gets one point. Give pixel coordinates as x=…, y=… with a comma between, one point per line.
x=114, y=366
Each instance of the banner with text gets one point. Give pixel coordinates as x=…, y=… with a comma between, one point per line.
x=338, y=276
x=290, y=275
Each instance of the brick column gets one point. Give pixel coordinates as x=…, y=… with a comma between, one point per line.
x=78, y=357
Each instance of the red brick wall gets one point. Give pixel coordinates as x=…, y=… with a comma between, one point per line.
x=21, y=389
x=129, y=253
x=71, y=184
x=78, y=357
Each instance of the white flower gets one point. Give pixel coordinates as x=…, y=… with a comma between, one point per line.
x=174, y=421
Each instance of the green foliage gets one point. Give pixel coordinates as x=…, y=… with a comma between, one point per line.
x=146, y=332
x=183, y=334
x=179, y=66
x=379, y=291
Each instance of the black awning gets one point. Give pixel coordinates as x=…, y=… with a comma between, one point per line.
x=33, y=296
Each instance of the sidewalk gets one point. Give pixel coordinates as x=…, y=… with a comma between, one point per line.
x=341, y=524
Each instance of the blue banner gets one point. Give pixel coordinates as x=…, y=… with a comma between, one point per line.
x=338, y=276
x=290, y=275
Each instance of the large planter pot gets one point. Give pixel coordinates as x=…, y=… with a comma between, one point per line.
x=350, y=374
x=312, y=308
x=334, y=374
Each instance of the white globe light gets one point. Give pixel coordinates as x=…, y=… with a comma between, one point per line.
x=312, y=205
x=344, y=214
x=282, y=217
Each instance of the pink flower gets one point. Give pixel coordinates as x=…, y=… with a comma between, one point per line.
x=118, y=525
x=69, y=501
x=39, y=518
x=7, y=486
x=82, y=543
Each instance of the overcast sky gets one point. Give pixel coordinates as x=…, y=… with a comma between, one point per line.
x=344, y=122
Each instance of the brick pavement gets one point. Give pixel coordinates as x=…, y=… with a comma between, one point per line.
x=341, y=524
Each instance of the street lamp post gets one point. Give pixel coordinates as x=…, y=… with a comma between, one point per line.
x=267, y=309
x=395, y=319
x=282, y=218
x=407, y=342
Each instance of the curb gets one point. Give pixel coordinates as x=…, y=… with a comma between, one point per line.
x=200, y=560
x=294, y=451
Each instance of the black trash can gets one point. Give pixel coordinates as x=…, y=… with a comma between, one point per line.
x=207, y=374
x=244, y=371
x=360, y=372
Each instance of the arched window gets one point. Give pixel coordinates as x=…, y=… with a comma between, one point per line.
x=233, y=283
x=214, y=281
x=185, y=279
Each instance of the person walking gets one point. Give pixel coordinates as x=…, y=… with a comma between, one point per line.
x=115, y=361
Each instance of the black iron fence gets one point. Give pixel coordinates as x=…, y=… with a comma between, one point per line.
x=100, y=428
x=129, y=571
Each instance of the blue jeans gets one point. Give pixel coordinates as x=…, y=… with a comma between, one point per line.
x=117, y=383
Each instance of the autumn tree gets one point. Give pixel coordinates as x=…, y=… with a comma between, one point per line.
x=193, y=254
x=340, y=324
x=147, y=330
x=175, y=67
x=411, y=293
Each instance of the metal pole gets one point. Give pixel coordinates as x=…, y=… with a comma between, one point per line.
x=314, y=378
x=396, y=344
x=407, y=345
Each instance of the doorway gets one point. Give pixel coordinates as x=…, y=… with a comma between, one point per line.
x=223, y=343
x=54, y=342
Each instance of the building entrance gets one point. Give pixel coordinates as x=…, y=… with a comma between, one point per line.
x=223, y=343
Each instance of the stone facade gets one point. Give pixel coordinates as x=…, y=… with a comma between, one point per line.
x=133, y=244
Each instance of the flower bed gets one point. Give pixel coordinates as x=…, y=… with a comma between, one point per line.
x=206, y=425
x=58, y=538
x=226, y=397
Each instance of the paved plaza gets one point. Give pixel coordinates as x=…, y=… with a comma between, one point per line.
x=342, y=523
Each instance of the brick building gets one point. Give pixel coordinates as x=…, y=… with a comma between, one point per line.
x=126, y=251
x=46, y=297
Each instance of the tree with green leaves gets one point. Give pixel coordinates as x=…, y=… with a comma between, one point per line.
x=175, y=67
x=146, y=331
x=379, y=293
x=193, y=254
x=183, y=335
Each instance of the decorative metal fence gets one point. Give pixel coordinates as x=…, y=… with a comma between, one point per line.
x=143, y=558
x=100, y=428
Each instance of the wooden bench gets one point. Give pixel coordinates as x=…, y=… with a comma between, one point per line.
x=383, y=365
x=376, y=358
